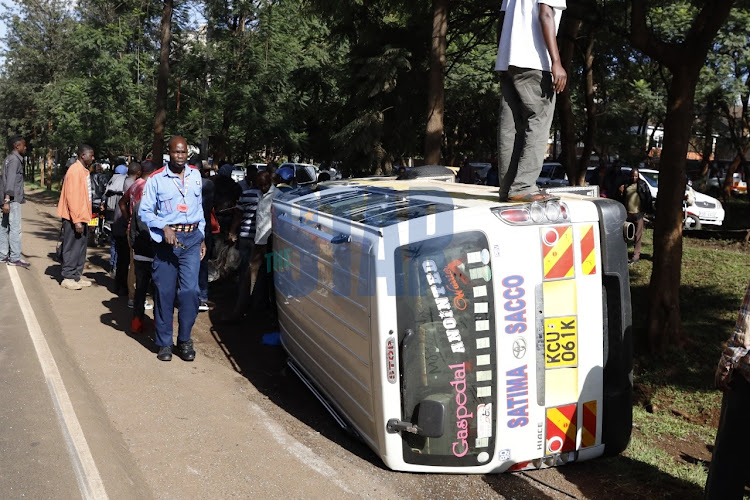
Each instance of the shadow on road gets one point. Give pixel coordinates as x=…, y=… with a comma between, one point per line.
x=265, y=366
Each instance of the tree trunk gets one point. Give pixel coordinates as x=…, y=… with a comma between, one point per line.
x=160, y=117
x=589, y=136
x=664, y=327
x=569, y=27
x=685, y=61
x=436, y=85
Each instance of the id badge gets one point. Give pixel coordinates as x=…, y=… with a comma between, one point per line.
x=182, y=208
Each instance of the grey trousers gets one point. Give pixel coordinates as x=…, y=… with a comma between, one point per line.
x=73, y=250
x=526, y=110
x=10, y=233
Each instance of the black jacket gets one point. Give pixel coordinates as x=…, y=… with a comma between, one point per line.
x=644, y=193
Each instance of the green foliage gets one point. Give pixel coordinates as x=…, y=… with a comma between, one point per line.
x=319, y=80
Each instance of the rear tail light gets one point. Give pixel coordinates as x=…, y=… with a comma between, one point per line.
x=533, y=213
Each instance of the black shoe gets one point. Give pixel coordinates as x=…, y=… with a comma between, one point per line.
x=185, y=350
x=165, y=353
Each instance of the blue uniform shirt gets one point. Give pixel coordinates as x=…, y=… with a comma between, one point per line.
x=167, y=200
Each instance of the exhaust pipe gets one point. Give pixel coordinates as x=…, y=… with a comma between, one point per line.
x=628, y=230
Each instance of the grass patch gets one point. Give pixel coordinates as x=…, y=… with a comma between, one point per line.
x=656, y=438
x=676, y=406
x=35, y=188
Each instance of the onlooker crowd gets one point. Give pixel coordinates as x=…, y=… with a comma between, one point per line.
x=164, y=226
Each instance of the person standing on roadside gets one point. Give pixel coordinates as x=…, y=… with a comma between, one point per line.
x=636, y=196
x=531, y=75
x=242, y=234
x=12, y=192
x=172, y=208
x=135, y=170
x=728, y=473
x=207, y=193
x=260, y=284
x=139, y=241
x=74, y=208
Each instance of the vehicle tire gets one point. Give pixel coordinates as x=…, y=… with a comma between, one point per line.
x=92, y=239
x=691, y=222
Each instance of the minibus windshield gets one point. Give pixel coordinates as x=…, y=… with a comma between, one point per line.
x=447, y=346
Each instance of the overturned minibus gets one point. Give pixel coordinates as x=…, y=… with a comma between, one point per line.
x=454, y=333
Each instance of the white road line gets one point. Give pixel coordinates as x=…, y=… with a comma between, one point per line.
x=301, y=452
x=89, y=480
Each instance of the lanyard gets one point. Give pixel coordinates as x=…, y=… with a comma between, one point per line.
x=180, y=188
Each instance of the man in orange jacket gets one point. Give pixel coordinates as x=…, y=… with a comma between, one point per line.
x=74, y=208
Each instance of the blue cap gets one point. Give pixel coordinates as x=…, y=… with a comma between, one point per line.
x=121, y=169
x=286, y=173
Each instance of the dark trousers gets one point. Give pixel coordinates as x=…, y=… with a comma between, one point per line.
x=73, y=250
x=142, y=284
x=637, y=220
x=245, y=247
x=175, y=275
x=728, y=472
x=263, y=291
x=203, y=271
x=122, y=250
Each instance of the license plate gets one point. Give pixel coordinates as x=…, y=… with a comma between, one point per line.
x=561, y=342
x=94, y=222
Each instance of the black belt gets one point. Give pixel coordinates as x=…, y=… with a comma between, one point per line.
x=184, y=228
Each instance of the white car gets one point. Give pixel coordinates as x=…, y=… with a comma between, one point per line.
x=701, y=209
x=552, y=175
x=238, y=173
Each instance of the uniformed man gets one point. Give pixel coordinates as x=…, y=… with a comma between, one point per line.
x=172, y=208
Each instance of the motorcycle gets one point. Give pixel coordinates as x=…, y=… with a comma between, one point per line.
x=99, y=231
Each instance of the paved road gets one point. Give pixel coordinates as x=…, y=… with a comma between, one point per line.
x=234, y=423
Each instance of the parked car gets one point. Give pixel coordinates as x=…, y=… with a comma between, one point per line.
x=715, y=181
x=304, y=173
x=552, y=175
x=327, y=174
x=480, y=171
x=700, y=209
x=238, y=173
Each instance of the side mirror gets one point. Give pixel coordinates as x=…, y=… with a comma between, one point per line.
x=430, y=416
x=430, y=420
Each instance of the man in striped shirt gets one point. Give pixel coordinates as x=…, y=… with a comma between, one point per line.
x=242, y=233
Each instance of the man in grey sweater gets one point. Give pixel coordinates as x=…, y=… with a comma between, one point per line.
x=12, y=192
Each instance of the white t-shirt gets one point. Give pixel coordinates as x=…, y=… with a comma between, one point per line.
x=521, y=40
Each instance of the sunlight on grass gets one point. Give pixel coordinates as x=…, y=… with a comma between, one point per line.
x=644, y=444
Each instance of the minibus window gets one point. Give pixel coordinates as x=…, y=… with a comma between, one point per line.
x=447, y=347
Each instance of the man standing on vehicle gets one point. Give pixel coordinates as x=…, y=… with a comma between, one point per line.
x=636, y=196
x=74, y=208
x=172, y=208
x=728, y=473
x=531, y=75
x=12, y=192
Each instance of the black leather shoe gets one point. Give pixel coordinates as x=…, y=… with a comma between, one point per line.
x=185, y=350
x=165, y=353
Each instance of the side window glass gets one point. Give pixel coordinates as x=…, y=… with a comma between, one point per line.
x=303, y=176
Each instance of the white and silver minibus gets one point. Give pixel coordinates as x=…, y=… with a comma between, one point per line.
x=454, y=333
